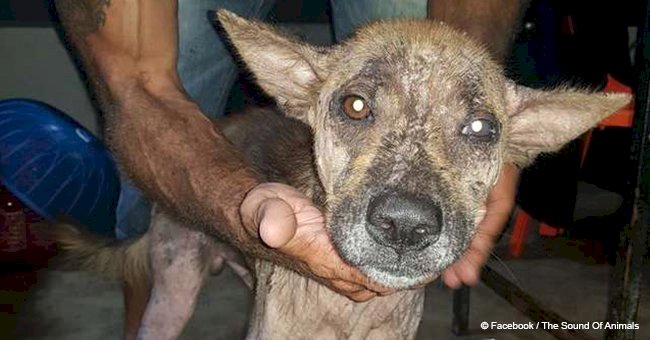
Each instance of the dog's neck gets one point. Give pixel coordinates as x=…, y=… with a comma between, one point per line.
x=291, y=306
x=287, y=304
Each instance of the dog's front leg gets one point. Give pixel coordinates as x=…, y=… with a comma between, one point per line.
x=180, y=259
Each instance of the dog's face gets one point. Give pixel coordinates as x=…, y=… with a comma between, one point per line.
x=412, y=122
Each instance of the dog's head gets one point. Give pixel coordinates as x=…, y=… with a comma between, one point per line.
x=412, y=122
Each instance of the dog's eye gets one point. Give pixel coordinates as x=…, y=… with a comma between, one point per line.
x=356, y=107
x=480, y=127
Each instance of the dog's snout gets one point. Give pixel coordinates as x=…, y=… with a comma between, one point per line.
x=403, y=221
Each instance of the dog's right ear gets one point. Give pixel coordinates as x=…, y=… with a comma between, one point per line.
x=288, y=70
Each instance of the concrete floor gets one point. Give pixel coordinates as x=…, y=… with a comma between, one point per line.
x=559, y=272
x=75, y=305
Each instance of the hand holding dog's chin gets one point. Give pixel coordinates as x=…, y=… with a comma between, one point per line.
x=501, y=200
x=288, y=221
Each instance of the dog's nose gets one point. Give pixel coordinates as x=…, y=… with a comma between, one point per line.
x=403, y=221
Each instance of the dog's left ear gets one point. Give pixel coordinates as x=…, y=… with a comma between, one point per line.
x=288, y=70
x=543, y=121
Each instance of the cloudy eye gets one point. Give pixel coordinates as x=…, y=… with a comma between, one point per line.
x=484, y=128
x=356, y=107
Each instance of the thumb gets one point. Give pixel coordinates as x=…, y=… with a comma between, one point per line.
x=277, y=222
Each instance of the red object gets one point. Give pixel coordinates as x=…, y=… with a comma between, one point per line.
x=568, y=25
x=549, y=231
x=518, y=239
x=13, y=226
x=19, y=241
x=623, y=118
x=522, y=224
x=21, y=251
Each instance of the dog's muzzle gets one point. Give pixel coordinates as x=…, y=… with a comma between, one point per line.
x=403, y=221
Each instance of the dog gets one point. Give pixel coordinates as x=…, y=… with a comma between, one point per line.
x=399, y=133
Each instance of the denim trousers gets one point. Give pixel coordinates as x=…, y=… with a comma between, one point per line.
x=208, y=72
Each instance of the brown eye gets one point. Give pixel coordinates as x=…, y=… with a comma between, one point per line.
x=356, y=107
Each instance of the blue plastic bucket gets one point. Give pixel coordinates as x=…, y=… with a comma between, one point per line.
x=55, y=166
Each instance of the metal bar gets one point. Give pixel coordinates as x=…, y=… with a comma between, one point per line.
x=626, y=274
x=529, y=306
x=460, y=322
x=626, y=277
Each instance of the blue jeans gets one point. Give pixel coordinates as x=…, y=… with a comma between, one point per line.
x=208, y=71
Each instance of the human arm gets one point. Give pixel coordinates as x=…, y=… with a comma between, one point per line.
x=492, y=22
x=129, y=50
x=160, y=137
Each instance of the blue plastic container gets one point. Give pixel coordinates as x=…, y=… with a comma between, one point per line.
x=56, y=167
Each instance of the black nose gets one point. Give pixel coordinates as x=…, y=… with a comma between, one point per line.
x=403, y=221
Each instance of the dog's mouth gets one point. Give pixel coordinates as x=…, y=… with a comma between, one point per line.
x=412, y=268
x=414, y=248
x=389, y=279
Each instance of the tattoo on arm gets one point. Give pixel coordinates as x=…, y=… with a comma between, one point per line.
x=82, y=17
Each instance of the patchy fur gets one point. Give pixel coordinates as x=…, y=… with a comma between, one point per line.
x=424, y=83
x=402, y=188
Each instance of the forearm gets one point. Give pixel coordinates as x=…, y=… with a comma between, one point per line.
x=161, y=139
x=172, y=151
x=492, y=22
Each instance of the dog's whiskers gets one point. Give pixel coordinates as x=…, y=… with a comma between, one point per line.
x=508, y=270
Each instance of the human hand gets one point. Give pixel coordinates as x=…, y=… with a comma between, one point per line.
x=287, y=220
x=498, y=208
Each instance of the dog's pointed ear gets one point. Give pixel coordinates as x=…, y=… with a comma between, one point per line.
x=288, y=70
x=544, y=121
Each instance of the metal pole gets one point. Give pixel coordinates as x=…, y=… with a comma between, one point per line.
x=626, y=274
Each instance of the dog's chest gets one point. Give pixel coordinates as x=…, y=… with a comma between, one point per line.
x=290, y=306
